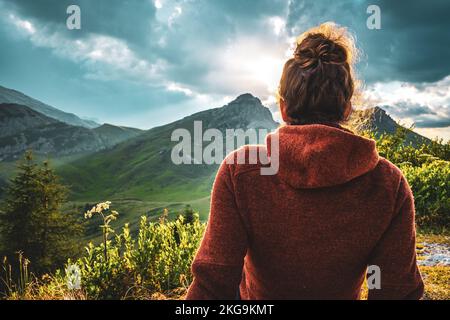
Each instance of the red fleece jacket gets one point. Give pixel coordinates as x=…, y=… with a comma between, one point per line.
x=310, y=231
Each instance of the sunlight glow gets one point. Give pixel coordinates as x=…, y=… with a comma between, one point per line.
x=278, y=25
x=253, y=65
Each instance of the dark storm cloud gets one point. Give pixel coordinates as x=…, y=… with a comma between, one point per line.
x=423, y=116
x=203, y=26
x=409, y=109
x=432, y=122
x=131, y=20
x=412, y=44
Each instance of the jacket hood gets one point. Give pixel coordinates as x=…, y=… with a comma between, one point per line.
x=317, y=155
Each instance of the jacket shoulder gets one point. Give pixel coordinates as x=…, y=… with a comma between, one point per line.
x=391, y=177
x=246, y=159
x=385, y=167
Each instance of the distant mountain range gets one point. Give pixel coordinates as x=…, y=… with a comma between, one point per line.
x=127, y=163
x=22, y=128
x=142, y=167
x=11, y=96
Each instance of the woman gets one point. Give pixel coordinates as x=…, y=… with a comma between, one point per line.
x=333, y=209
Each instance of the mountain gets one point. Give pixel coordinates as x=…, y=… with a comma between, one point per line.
x=22, y=128
x=377, y=120
x=126, y=163
x=142, y=166
x=134, y=168
x=16, y=118
x=112, y=135
x=15, y=97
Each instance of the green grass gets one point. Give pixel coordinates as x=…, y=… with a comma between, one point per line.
x=436, y=280
x=7, y=168
x=139, y=168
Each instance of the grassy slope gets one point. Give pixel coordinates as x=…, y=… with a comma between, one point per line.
x=138, y=175
x=140, y=168
x=139, y=178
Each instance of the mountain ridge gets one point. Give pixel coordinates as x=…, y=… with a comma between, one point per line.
x=377, y=120
x=12, y=96
x=125, y=162
x=15, y=118
x=22, y=128
x=142, y=166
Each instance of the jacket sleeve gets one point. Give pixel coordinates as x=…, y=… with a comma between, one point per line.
x=217, y=267
x=395, y=253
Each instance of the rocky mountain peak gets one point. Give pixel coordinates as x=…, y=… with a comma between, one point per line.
x=378, y=120
x=246, y=111
x=246, y=98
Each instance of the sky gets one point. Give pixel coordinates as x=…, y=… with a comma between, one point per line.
x=144, y=63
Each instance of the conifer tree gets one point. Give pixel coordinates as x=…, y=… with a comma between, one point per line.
x=32, y=221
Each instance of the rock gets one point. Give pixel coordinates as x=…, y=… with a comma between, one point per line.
x=435, y=254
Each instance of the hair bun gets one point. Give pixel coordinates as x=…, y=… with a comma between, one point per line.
x=317, y=49
x=317, y=83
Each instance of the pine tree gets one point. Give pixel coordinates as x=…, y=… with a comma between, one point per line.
x=32, y=221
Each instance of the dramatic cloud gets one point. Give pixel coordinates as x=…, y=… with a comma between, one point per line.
x=145, y=62
x=426, y=105
x=409, y=47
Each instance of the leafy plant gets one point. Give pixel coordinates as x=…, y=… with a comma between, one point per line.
x=394, y=148
x=157, y=259
x=431, y=188
x=427, y=169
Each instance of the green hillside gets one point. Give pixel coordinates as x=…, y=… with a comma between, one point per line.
x=141, y=168
x=138, y=174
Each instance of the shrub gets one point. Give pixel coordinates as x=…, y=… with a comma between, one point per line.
x=427, y=168
x=158, y=259
x=430, y=184
x=394, y=148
